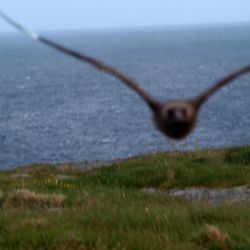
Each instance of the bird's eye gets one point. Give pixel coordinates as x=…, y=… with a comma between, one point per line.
x=170, y=113
x=184, y=112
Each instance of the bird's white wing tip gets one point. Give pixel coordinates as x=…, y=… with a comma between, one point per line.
x=27, y=32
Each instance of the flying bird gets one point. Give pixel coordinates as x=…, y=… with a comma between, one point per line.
x=174, y=118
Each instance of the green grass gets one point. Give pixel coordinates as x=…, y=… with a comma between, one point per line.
x=106, y=208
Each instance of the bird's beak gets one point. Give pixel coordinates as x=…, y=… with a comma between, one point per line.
x=178, y=116
x=175, y=116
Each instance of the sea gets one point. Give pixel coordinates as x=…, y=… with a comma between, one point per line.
x=54, y=108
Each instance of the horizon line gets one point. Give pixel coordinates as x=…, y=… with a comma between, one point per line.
x=141, y=27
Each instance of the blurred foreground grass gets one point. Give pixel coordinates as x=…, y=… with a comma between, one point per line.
x=46, y=206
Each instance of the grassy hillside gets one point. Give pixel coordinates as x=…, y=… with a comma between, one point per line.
x=59, y=207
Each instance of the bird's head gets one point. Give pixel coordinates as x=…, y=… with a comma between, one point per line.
x=176, y=119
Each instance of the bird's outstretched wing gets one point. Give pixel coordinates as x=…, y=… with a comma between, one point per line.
x=221, y=83
x=153, y=104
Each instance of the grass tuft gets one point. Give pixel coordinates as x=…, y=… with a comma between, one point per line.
x=213, y=238
x=238, y=155
x=27, y=199
x=68, y=242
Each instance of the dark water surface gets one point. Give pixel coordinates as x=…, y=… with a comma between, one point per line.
x=55, y=109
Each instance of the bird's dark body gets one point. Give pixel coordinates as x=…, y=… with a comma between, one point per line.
x=174, y=130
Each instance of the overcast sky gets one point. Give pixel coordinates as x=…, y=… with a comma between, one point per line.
x=88, y=14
